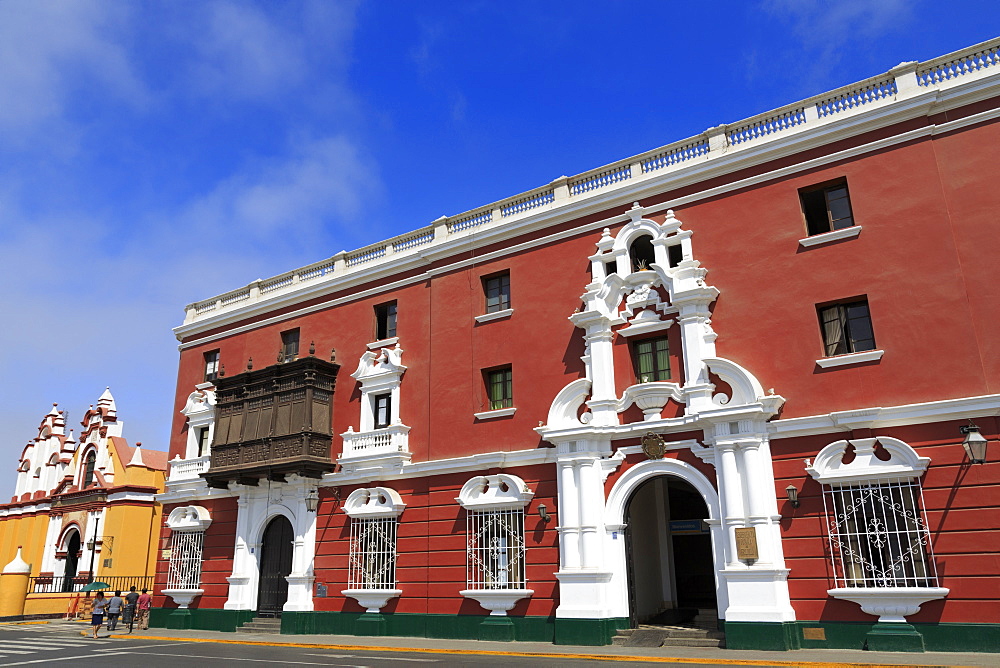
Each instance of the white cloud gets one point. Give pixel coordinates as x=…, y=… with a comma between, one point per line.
x=244, y=51
x=50, y=51
x=318, y=183
x=825, y=30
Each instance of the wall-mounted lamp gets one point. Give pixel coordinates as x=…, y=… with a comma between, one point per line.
x=974, y=444
x=312, y=500
x=543, y=512
x=793, y=495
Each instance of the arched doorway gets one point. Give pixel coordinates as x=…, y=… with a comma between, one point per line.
x=275, y=565
x=671, y=570
x=72, y=560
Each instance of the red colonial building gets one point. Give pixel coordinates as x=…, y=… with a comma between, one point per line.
x=740, y=383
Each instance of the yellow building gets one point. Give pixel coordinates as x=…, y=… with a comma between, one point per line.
x=82, y=512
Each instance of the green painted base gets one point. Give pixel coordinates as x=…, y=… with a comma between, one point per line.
x=592, y=632
x=933, y=637
x=207, y=619
x=497, y=628
x=739, y=635
x=894, y=638
x=453, y=627
x=771, y=636
x=370, y=624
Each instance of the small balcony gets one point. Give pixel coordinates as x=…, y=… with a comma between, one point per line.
x=379, y=448
x=188, y=469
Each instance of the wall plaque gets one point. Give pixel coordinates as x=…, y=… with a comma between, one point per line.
x=811, y=633
x=746, y=544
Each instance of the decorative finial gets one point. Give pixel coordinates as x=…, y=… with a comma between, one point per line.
x=250, y=364
x=312, y=348
x=222, y=370
x=333, y=354
x=281, y=356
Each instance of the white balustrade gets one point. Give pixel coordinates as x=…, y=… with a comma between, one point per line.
x=474, y=220
x=389, y=440
x=188, y=469
x=945, y=72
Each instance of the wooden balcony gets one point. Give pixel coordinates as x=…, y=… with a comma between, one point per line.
x=273, y=422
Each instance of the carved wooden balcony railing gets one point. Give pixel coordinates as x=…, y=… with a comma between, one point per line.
x=273, y=422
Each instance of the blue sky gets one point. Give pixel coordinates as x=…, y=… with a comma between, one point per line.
x=157, y=153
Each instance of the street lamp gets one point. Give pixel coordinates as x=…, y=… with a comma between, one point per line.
x=312, y=500
x=91, y=544
x=974, y=443
x=793, y=495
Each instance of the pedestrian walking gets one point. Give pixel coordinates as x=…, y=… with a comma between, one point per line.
x=115, y=606
x=97, y=613
x=142, y=607
x=131, y=599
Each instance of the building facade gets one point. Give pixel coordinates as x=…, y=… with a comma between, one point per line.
x=83, y=511
x=722, y=379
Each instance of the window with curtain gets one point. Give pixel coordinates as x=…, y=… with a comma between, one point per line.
x=652, y=359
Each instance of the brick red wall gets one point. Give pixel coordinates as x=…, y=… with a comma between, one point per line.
x=217, y=561
x=431, y=566
x=963, y=516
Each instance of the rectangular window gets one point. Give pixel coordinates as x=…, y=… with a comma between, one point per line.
x=500, y=386
x=184, y=570
x=202, y=441
x=211, y=366
x=497, y=291
x=878, y=535
x=652, y=360
x=372, y=562
x=290, y=345
x=827, y=207
x=382, y=406
x=495, y=557
x=847, y=328
x=385, y=321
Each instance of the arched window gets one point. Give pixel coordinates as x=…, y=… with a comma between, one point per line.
x=88, y=474
x=640, y=252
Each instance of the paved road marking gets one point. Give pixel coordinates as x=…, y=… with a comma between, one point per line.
x=374, y=658
x=46, y=644
x=129, y=648
x=50, y=660
x=233, y=658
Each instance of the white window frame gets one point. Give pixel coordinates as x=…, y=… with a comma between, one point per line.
x=496, y=553
x=374, y=513
x=880, y=546
x=188, y=525
x=379, y=373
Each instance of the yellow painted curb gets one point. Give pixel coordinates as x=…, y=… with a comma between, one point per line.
x=549, y=655
x=38, y=621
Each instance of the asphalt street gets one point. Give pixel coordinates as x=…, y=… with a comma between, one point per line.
x=62, y=643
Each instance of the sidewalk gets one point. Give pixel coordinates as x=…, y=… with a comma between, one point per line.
x=677, y=655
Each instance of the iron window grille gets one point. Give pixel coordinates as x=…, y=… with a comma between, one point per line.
x=497, y=291
x=184, y=570
x=847, y=328
x=496, y=553
x=652, y=360
x=372, y=561
x=827, y=208
x=878, y=534
x=500, y=385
